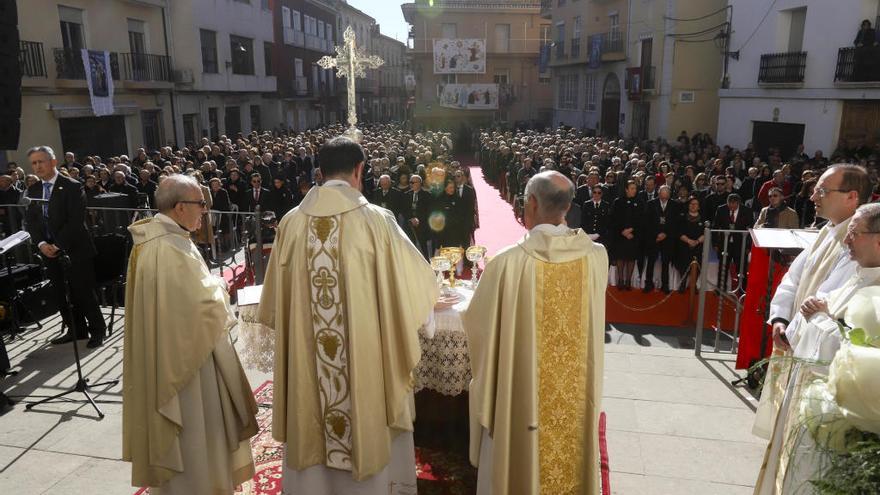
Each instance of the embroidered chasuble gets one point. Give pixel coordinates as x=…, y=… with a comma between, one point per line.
x=345, y=292
x=535, y=331
x=187, y=411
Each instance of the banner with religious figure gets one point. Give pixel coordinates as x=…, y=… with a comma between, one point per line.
x=100, y=79
x=459, y=56
x=469, y=96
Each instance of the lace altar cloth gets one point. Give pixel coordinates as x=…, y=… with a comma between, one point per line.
x=444, y=367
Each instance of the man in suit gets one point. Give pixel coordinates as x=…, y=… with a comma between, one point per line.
x=718, y=196
x=416, y=208
x=659, y=238
x=650, y=191
x=121, y=186
x=468, y=207
x=57, y=227
x=732, y=216
x=257, y=195
x=387, y=197
x=596, y=217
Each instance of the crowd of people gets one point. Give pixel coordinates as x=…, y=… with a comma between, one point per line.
x=651, y=200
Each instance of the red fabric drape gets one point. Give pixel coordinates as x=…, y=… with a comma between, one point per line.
x=752, y=323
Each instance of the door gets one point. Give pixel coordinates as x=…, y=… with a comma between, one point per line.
x=610, y=123
x=152, y=124
x=641, y=120
x=647, y=76
x=103, y=136
x=860, y=123
x=213, y=123
x=190, y=129
x=233, y=121
x=785, y=137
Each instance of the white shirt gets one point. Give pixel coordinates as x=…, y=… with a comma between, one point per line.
x=336, y=183
x=551, y=229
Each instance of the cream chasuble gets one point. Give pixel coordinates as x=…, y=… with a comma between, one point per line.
x=791, y=459
x=536, y=336
x=343, y=367
x=187, y=412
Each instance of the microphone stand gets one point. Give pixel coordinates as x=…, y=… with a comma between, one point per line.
x=82, y=384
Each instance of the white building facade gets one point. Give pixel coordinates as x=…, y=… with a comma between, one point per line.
x=798, y=77
x=225, y=84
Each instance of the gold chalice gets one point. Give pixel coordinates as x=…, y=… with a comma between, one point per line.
x=454, y=255
x=474, y=254
x=440, y=264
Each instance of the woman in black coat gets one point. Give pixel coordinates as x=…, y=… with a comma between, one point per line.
x=449, y=205
x=627, y=218
x=279, y=199
x=236, y=187
x=689, y=241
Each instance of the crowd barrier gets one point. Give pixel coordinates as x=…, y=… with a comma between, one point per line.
x=725, y=254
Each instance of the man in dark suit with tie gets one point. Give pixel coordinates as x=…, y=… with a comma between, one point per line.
x=468, y=207
x=660, y=216
x=387, y=197
x=57, y=227
x=257, y=195
x=732, y=216
x=416, y=208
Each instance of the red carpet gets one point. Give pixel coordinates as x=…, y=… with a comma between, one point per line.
x=498, y=226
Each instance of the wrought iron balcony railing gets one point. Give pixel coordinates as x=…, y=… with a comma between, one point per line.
x=31, y=59
x=782, y=67
x=858, y=64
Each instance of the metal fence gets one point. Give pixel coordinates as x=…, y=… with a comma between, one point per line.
x=731, y=247
x=782, y=67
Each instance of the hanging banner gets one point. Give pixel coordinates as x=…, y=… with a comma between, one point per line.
x=544, y=59
x=100, y=79
x=459, y=56
x=595, y=51
x=469, y=96
x=409, y=81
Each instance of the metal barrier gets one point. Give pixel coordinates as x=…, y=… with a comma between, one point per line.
x=730, y=290
x=222, y=236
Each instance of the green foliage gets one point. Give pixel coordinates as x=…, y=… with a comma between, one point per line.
x=856, y=472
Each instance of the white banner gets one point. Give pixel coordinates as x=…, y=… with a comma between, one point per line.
x=459, y=56
x=100, y=79
x=469, y=96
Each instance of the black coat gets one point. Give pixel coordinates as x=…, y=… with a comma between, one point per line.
x=220, y=200
x=659, y=220
x=745, y=220
x=251, y=204
x=596, y=220
x=468, y=208
x=390, y=200
x=66, y=224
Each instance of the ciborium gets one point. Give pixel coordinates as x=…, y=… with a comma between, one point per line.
x=454, y=255
x=475, y=254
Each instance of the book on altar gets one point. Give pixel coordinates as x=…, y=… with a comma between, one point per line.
x=783, y=238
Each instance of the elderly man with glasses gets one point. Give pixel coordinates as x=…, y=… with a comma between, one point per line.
x=777, y=215
x=820, y=268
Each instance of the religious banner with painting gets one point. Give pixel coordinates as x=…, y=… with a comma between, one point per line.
x=100, y=79
x=459, y=56
x=469, y=96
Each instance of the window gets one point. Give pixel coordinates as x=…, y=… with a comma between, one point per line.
x=209, y=51
x=545, y=34
x=242, y=50
x=264, y=4
x=267, y=58
x=285, y=17
x=72, y=33
x=137, y=42
x=567, y=91
x=449, y=30
x=560, y=32
x=614, y=21
x=592, y=94
x=577, y=24
x=502, y=76
x=255, y=118
x=321, y=29
x=315, y=86
x=796, y=32
x=502, y=38
x=297, y=20
x=297, y=67
x=213, y=123
x=244, y=1
x=233, y=121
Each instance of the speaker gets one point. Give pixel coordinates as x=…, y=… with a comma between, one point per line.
x=10, y=83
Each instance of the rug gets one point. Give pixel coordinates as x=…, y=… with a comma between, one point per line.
x=439, y=472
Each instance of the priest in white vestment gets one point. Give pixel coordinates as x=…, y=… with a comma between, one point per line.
x=346, y=293
x=536, y=335
x=188, y=412
x=819, y=339
x=818, y=270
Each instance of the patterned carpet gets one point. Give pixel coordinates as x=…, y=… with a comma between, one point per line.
x=439, y=471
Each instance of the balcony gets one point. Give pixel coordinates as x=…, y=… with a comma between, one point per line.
x=295, y=38
x=855, y=65
x=315, y=43
x=575, y=47
x=31, y=59
x=781, y=68
x=560, y=50
x=69, y=64
x=612, y=46
x=301, y=86
x=546, y=9
x=145, y=67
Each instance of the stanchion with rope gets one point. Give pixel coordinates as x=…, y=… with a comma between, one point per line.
x=657, y=304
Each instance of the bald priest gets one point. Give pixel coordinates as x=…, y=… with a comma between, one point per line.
x=188, y=412
x=536, y=336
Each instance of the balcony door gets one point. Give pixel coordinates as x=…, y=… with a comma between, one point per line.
x=137, y=45
x=68, y=59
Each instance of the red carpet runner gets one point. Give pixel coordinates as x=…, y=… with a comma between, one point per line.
x=436, y=474
x=498, y=227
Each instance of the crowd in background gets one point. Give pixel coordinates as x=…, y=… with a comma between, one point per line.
x=650, y=201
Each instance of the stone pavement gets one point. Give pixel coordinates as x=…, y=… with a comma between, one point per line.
x=674, y=425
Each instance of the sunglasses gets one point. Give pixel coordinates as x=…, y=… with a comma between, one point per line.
x=201, y=203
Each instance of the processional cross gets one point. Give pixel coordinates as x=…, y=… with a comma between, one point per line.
x=350, y=62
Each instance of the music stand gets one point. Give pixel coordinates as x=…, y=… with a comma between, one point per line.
x=82, y=383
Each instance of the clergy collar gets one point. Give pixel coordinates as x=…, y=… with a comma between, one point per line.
x=336, y=183
x=550, y=229
x=870, y=274
x=161, y=217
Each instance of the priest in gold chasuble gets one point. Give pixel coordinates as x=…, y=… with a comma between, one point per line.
x=535, y=330
x=187, y=409
x=345, y=292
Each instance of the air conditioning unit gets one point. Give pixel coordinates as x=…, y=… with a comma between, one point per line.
x=183, y=76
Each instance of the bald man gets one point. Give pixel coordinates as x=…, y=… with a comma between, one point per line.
x=539, y=312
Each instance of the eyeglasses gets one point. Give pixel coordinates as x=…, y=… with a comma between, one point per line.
x=822, y=192
x=200, y=202
x=853, y=234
